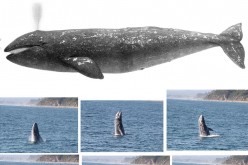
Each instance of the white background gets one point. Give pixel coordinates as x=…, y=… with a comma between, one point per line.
x=209, y=69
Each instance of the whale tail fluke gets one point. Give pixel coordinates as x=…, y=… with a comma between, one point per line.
x=233, y=48
x=234, y=32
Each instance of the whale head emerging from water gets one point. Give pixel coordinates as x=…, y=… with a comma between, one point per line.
x=203, y=129
x=35, y=135
x=119, y=129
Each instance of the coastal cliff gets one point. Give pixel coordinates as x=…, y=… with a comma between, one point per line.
x=227, y=95
x=152, y=160
x=59, y=158
x=236, y=160
x=58, y=102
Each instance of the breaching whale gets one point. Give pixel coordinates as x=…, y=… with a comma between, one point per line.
x=203, y=129
x=119, y=129
x=93, y=52
x=35, y=135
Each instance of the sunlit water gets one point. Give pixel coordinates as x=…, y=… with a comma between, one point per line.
x=142, y=121
x=227, y=119
x=58, y=128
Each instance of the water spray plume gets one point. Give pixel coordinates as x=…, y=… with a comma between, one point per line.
x=37, y=12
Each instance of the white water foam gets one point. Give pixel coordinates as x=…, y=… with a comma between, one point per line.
x=210, y=136
x=31, y=139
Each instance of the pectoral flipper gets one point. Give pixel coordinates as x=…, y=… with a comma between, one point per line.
x=85, y=66
x=210, y=129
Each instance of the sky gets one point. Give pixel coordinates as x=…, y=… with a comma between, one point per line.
x=14, y=157
x=186, y=92
x=198, y=158
x=105, y=158
x=16, y=100
x=209, y=69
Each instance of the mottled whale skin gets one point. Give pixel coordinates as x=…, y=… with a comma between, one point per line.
x=35, y=134
x=203, y=129
x=95, y=51
x=119, y=129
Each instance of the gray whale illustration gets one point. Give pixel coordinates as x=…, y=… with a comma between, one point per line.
x=35, y=134
x=203, y=129
x=119, y=129
x=93, y=52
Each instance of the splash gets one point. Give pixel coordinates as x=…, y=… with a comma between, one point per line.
x=210, y=136
x=31, y=139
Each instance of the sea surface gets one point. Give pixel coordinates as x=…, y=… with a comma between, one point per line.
x=90, y=163
x=58, y=128
x=142, y=121
x=30, y=163
x=227, y=119
x=176, y=163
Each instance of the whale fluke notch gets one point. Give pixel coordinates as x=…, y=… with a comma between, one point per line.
x=119, y=129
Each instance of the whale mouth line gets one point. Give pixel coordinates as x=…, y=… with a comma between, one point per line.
x=19, y=50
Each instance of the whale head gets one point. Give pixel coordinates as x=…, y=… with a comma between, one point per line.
x=201, y=119
x=119, y=129
x=35, y=134
x=27, y=41
x=33, y=50
x=118, y=116
x=38, y=58
x=35, y=129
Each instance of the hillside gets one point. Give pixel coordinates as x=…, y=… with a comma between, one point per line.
x=228, y=95
x=236, y=160
x=58, y=102
x=152, y=160
x=59, y=158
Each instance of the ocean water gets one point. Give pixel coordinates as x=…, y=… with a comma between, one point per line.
x=142, y=121
x=90, y=163
x=29, y=163
x=58, y=127
x=176, y=163
x=227, y=119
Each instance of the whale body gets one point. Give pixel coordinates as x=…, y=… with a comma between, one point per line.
x=35, y=134
x=203, y=129
x=93, y=52
x=119, y=129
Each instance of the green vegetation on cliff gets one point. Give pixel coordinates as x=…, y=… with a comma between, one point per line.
x=228, y=95
x=59, y=158
x=153, y=160
x=58, y=102
x=236, y=160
